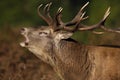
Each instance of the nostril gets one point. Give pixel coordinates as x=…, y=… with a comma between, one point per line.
x=22, y=29
x=26, y=43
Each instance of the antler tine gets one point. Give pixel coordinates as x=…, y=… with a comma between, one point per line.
x=75, y=21
x=107, y=13
x=84, y=6
x=46, y=12
x=38, y=10
x=46, y=17
x=85, y=18
x=48, y=7
x=57, y=20
x=101, y=25
x=76, y=25
x=80, y=13
x=104, y=19
x=77, y=17
x=96, y=32
x=58, y=16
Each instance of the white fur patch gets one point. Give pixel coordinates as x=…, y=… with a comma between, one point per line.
x=22, y=44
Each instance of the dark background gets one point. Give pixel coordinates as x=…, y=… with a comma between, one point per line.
x=17, y=63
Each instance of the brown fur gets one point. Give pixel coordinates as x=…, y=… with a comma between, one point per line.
x=80, y=62
x=72, y=60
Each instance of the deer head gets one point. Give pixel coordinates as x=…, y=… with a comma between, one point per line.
x=41, y=40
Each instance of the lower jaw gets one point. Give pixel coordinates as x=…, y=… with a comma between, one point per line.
x=22, y=44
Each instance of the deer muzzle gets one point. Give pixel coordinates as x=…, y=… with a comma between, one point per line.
x=24, y=32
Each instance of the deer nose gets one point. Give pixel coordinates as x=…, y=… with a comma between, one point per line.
x=22, y=29
x=26, y=43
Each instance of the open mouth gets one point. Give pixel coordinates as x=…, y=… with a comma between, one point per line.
x=24, y=32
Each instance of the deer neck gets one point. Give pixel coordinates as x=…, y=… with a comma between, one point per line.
x=73, y=57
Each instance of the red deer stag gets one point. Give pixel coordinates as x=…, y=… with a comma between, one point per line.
x=70, y=59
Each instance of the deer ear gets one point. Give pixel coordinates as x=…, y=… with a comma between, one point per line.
x=63, y=35
x=66, y=35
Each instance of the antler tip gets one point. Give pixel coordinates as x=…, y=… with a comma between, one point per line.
x=84, y=6
x=87, y=2
x=59, y=10
x=40, y=6
x=50, y=3
x=83, y=15
x=107, y=13
x=109, y=8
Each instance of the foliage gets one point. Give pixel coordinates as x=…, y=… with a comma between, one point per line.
x=24, y=11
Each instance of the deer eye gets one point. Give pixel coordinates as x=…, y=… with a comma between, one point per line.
x=43, y=33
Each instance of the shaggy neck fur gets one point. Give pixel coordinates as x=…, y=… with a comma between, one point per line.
x=72, y=60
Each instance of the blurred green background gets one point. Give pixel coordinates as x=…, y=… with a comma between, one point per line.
x=23, y=13
x=17, y=63
x=17, y=12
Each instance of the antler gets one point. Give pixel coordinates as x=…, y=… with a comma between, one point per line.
x=77, y=19
x=80, y=16
x=46, y=15
x=57, y=23
x=58, y=16
x=101, y=25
